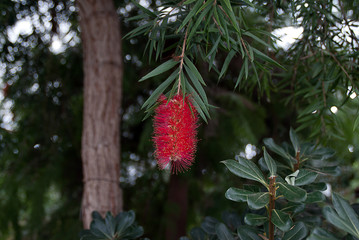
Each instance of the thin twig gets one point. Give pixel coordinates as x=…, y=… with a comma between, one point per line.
x=343, y=69
x=245, y=48
x=181, y=63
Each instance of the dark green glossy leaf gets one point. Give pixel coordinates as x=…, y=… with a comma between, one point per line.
x=223, y=232
x=294, y=139
x=246, y=169
x=344, y=217
x=315, y=197
x=291, y=193
x=237, y=195
x=321, y=234
x=320, y=186
x=305, y=177
x=298, y=232
x=209, y=225
x=278, y=150
x=293, y=208
x=255, y=219
x=197, y=234
x=255, y=200
x=272, y=166
x=281, y=220
x=246, y=233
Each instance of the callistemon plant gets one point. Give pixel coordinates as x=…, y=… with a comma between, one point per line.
x=175, y=133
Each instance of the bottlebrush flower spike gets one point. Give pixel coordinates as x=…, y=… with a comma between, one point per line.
x=175, y=133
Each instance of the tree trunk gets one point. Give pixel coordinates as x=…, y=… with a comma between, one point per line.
x=100, y=32
x=177, y=207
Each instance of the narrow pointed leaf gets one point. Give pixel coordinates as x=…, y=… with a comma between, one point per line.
x=226, y=62
x=159, y=90
x=160, y=69
x=194, y=70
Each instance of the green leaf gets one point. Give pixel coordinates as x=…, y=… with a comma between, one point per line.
x=246, y=169
x=321, y=234
x=197, y=84
x=305, y=177
x=291, y=193
x=272, y=166
x=294, y=139
x=315, y=197
x=266, y=58
x=145, y=10
x=320, y=186
x=249, y=34
x=226, y=62
x=356, y=123
x=281, y=220
x=246, y=233
x=333, y=218
x=198, y=103
x=344, y=217
x=209, y=225
x=159, y=90
x=255, y=219
x=293, y=208
x=194, y=70
x=229, y=11
x=258, y=200
x=160, y=69
x=197, y=234
x=278, y=150
x=190, y=15
x=223, y=232
x=237, y=195
x=290, y=179
x=298, y=232
x=254, y=200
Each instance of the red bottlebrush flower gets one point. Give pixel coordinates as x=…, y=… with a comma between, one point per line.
x=175, y=133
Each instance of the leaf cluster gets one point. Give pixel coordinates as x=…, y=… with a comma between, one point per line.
x=122, y=226
x=192, y=31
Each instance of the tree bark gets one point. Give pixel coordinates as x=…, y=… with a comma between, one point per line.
x=100, y=33
x=177, y=207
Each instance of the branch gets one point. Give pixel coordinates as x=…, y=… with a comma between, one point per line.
x=181, y=63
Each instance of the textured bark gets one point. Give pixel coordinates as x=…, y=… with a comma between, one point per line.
x=177, y=208
x=100, y=33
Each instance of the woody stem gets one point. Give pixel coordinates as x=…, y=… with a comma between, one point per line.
x=272, y=196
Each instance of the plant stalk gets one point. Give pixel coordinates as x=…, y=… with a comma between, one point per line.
x=272, y=196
